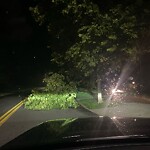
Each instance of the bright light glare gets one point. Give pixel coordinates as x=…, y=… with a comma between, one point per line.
x=116, y=91
x=114, y=117
x=119, y=91
x=113, y=91
x=125, y=73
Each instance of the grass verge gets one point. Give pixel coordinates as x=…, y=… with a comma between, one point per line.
x=87, y=100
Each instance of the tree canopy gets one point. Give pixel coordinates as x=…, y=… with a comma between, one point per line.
x=93, y=38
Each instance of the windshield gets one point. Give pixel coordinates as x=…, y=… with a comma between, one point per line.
x=64, y=59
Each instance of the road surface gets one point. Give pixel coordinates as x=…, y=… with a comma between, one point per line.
x=23, y=120
x=132, y=109
x=8, y=102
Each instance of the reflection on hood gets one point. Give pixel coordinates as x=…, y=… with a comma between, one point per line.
x=65, y=131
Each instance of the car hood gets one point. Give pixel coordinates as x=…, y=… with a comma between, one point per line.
x=73, y=130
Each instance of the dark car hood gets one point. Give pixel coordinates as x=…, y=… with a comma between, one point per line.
x=65, y=131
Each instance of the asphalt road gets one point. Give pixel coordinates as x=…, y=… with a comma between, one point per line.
x=23, y=120
x=7, y=102
x=130, y=109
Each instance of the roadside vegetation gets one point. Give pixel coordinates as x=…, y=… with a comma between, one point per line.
x=57, y=94
x=88, y=100
x=47, y=101
x=60, y=94
x=91, y=47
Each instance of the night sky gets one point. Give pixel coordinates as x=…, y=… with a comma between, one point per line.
x=24, y=57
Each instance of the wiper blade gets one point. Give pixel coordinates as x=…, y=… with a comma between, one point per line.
x=114, y=138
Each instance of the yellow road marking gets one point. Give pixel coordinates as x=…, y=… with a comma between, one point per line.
x=9, y=113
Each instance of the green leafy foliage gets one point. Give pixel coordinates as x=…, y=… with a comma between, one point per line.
x=57, y=94
x=55, y=83
x=89, y=38
x=88, y=101
x=96, y=35
x=108, y=35
x=46, y=101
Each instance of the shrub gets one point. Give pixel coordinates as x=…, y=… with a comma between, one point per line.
x=55, y=83
x=46, y=101
x=58, y=94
